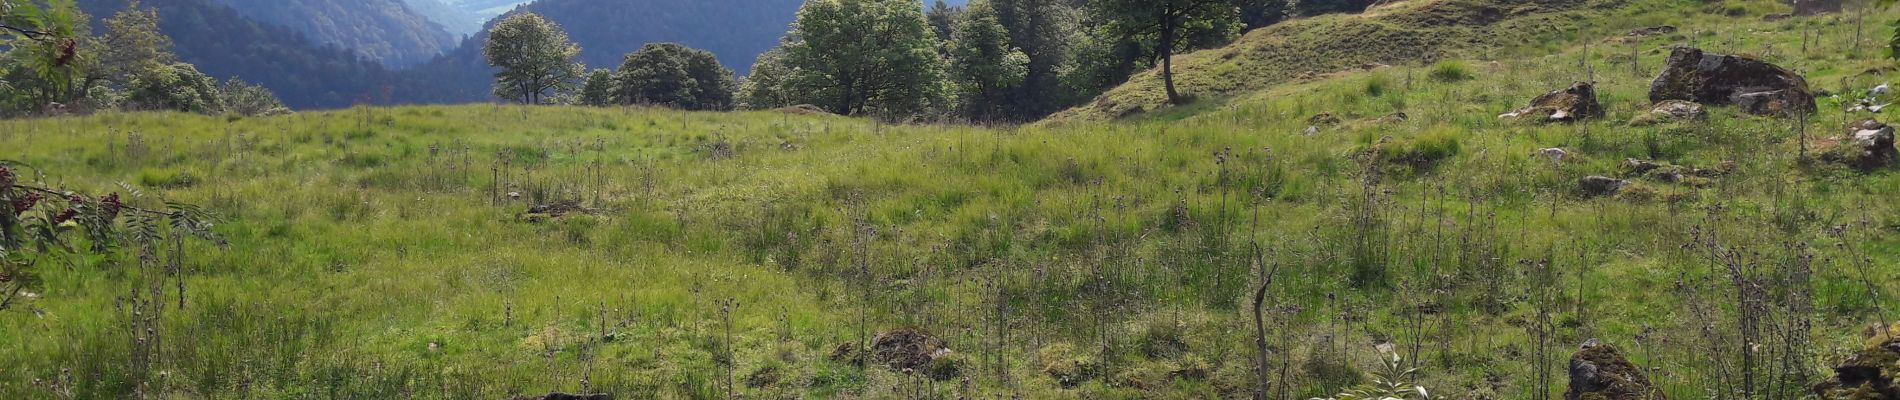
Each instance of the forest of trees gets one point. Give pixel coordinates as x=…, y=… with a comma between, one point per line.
x=987, y=60
x=54, y=65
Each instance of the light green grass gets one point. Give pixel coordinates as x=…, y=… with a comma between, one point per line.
x=361, y=237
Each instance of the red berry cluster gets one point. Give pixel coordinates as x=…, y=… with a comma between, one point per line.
x=64, y=216
x=67, y=51
x=6, y=177
x=20, y=205
x=109, y=206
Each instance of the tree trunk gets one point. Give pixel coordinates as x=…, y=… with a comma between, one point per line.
x=1264, y=372
x=1166, y=50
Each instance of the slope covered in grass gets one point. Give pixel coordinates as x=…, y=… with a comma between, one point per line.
x=375, y=253
x=1410, y=32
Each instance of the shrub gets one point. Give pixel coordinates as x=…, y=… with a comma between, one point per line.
x=1449, y=71
x=167, y=179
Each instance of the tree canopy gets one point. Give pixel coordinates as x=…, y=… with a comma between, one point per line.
x=674, y=75
x=535, y=58
x=858, y=57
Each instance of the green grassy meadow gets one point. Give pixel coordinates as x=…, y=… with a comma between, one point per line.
x=377, y=253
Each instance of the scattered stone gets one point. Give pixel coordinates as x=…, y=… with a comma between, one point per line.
x=1639, y=167
x=1869, y=373
x=1555, y=155
x=1679, y=110
x=1596, y=185
x=1396, y=117
x=1717, y=79
x=1878, y=91
x=559, y=208
x=1654, y=30
x=1322, y=119
x=1311, y=130
x=1599, y=371
x=569, y=396
x=1869, y=145
x=1577, y=102
x=907, y=350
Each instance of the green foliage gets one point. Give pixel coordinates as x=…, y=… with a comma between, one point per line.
x=249, y=100
x=535, y=58
x=1450, y=71
x=983, y=66
x=598, y=89
x=857, y=57
x=673, y=75
x=175, y=87
x=1392, y=381
x=133, y=44
x=1171, y=26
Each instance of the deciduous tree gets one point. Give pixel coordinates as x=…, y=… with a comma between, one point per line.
x=535, y=57
x=1170, y=24
x=858, y=57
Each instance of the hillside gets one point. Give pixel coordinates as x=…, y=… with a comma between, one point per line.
x=1291, y=235
x=736, y=31
x=457, y=21
x=1410, y=32
x=224, y=44
x=387, y=31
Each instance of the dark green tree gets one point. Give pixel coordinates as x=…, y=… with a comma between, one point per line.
x=858, y=57
x=598, y=90
x=674, y=75
x=983, y=66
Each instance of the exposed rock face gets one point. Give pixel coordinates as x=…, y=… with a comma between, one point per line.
x=1595, y=185
x=1679, y=110
x=1598, y=371
x=1868, y=374
x=906, y=350
x=1719, y=79
x=1579, y=101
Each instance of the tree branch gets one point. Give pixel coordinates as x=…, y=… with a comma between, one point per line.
x=121, y=206
x=29, y=33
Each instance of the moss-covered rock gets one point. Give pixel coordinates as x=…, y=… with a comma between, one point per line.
x=1756, y=86
x=1599, y=371
x=1870, y=373
x=1577, y=102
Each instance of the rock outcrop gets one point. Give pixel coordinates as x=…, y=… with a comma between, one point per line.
x=1758, y=87
x=1599, y=372
x=1596, y=185
x=1868, y=374
x=1869, y=145
x=906, y=350
x=1679, y=110
x=1577, y=102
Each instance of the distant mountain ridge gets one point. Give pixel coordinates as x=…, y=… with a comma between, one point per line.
x=387, y=31
x=223, y=43
x=736, y=31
